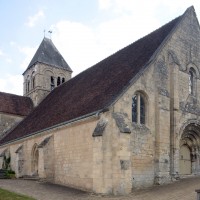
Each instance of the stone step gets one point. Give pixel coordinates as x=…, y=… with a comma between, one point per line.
x=3, y=173
x=27, y=177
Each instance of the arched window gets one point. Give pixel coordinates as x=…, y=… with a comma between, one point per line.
x=33, y=79
x=63, y=80
x=192, y=81
x=33, y=82
x=58, y=81
x=134, y=109
x=52, y=83
x=28, y=86
x=138, y=109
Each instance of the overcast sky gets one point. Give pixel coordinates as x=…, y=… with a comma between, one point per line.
x=84, y=31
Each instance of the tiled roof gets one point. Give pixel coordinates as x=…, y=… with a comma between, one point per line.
x=48, y=54
x=14, y=104
x=95, y=88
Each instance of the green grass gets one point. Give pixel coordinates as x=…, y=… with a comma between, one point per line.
x=6, y=195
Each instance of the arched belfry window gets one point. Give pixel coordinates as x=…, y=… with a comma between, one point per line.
x=192, y=81
x=33, y=79
x=33, y=82
x=58, y=81
x=52, y=83
x=27, y=84
x=138, y=109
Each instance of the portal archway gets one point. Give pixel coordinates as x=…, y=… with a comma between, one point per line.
x=189, y=152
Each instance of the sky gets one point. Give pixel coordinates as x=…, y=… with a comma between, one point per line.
x=84, y=31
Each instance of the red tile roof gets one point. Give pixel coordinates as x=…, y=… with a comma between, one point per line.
x=95, y=88
x=14, y=104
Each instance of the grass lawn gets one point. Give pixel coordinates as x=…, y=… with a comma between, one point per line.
x=6, y=195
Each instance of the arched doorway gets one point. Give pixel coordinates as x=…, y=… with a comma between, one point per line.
x=35, y=159
x=190, y=150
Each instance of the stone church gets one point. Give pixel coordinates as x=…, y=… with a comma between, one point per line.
x=130, y=121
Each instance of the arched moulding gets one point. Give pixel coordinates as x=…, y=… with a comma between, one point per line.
x=192, y=66
x=190, y=133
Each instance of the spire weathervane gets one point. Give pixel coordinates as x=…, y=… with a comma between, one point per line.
x=50, y=32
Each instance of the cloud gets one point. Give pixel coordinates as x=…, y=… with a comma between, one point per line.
x=32, y=20
x=82, y=45
x=29, y=53
x=11, y=84
x=144, y=8
x=127, y=20
x=104, y=4
x=1, y=53
x=76, y=42
x=5, y=57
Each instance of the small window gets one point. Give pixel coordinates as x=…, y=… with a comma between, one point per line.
x=63, y=80
x=142, y=110
x=33, y=82
x=28, y=86
x=192, y=81
x=138, y=109
x=134, y=109
x=52, y=83
x=58, y=81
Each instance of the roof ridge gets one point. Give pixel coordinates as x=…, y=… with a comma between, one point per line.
x=113, y=54
x=11, y=94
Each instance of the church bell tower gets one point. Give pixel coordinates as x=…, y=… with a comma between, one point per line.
x=47, y=70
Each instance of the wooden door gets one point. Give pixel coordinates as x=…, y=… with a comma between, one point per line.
x=185, y=161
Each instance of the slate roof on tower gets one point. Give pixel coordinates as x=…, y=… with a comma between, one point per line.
x=48, y=54
x=96, y=88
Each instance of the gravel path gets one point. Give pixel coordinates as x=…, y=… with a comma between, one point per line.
x=180, y=190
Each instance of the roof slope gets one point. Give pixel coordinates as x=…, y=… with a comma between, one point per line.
x=93, y=89
x=14, y=104
x=48, y=54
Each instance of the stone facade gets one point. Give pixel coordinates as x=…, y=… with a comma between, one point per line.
x=110, y=152
x=41, y=79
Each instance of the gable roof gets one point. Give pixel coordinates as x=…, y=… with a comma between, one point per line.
x=14, y=104
x=94, y=89
x=48, y=54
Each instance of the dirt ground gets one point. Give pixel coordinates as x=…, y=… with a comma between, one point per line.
x=180, y=190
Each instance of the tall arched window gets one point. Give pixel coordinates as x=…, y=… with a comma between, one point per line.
x=27, y=84
x=138, y=109
x=134, y=108
x=33, y=80
x=192, y=81
x=58, y=81
x=52, y=83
